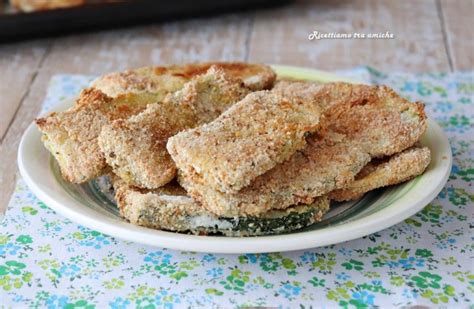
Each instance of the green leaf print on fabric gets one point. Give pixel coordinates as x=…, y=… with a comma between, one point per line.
x=353, y=264
x=236, y=280
x=24, y=239
x=80, y=304
x=13, y=275
x=29, y=210
x=425, y=279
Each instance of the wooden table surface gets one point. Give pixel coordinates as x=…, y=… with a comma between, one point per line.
x=430, y=36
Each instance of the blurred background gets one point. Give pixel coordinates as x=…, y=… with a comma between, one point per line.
x=40, y=38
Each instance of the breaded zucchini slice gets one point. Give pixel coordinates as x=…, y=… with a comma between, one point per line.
x=169, y=208
x=162, y=80
x=359, y=122
x=389, y=171
x=71, y=136
x=250, y=138
x=135, y=148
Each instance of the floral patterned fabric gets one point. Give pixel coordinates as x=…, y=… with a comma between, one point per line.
x=48, y=261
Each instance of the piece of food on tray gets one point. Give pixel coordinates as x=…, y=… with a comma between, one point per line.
x=247, y=140
x=135, y=148
x=43, y=5
x=71, y=136
x=384, y=172
x=169, y=208
x=163, y=80
x=370, y=121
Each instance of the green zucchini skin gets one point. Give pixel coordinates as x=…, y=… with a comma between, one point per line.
x=183, y=215
x=276, y=222
x=172, y=210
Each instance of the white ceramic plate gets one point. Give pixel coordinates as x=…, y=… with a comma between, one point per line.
x=374, y=212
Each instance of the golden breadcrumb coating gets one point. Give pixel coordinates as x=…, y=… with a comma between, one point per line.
x=320, y=167
x=360, y=122
x=164, y=208
x=393, y=170
x=135, y=148
x=250, y=138
x=71, y=136
x=397, y=123
x=163, y=80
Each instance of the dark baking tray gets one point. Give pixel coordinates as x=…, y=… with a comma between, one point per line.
x=101, y=15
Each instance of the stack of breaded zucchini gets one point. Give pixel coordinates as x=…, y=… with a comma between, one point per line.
x=226, y=148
